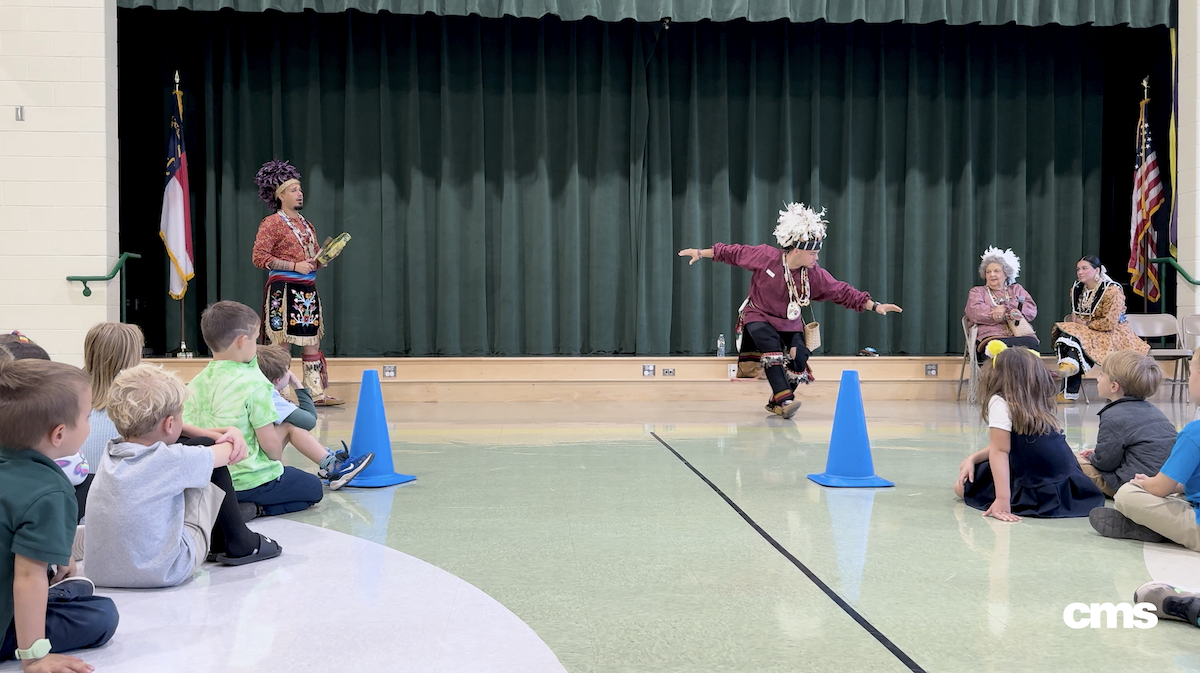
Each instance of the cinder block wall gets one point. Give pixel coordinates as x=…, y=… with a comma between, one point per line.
x=58, y=169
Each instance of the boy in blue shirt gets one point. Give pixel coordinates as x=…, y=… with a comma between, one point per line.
x=1163, y=507
x=44, y=408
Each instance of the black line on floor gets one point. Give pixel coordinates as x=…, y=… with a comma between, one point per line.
x=862, y=621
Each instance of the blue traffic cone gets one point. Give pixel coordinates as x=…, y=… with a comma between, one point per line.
x=371, y=436
x=849, y=462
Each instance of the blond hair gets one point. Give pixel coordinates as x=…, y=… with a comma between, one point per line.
x=1018, y=376
x=142, y=396
x=225, y=321
x=37, y=396
x=1138, y=375
x=108, y=348
x=274, y=361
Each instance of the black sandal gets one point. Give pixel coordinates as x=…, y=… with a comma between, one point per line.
x=267, y=549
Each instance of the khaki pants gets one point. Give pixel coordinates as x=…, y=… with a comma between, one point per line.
x=200, y=509
x=1094, y=474
x=1172, y=516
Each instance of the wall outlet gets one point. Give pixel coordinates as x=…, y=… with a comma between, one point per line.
x=931, y=370
x=733, y=371
x=668, y=371
x=647, y=370
x=389, y=371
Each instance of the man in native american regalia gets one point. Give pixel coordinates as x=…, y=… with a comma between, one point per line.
x=286, y=246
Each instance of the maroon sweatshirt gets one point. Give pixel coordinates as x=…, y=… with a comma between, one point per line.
x=768, y=288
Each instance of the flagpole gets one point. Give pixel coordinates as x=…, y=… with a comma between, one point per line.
x=183, y=351
x=1142, y=150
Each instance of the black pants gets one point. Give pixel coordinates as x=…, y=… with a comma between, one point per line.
x=773, y=343
x=1067, y=348
x=81, y=492
x=1023, y=342
x=230, y=536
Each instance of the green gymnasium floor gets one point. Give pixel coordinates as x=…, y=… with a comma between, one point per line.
x=578, y=519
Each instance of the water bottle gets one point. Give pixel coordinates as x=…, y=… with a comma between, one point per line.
x=720, y=345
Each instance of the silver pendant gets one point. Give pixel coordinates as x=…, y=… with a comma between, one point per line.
x=793, y=311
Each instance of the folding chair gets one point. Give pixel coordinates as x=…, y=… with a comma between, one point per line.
x=970, y=332
x=1158, y=325
x=1189, y=327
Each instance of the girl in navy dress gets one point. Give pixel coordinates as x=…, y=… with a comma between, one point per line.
x=1027, y=468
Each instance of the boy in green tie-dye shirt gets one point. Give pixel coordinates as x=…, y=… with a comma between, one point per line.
x=231, y=391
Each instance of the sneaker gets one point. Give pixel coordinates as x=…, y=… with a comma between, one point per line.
x=71, y=588
x=346, y=470
x=787, y=409
x=1111, y=523
x=328, y=401
x=339, y=457
x=343, y=455
x=1169, y=602
x=250, y=510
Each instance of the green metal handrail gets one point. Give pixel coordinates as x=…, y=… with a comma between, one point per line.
x=87, y=291
x=1175, y=263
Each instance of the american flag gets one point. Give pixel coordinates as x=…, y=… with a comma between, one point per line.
x=1147, y=197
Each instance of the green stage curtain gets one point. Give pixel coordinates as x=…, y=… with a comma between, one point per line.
x=521, y=186
x=1136, y=13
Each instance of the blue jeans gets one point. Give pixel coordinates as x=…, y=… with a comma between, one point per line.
x=293, y=491
x=71, y=625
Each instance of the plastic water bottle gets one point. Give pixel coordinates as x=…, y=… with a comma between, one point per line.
x=720, y=345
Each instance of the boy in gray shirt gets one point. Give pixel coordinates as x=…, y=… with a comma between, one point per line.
x=1134, y=436
x=157, y=508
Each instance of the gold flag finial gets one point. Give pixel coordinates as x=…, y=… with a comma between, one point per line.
x=177, y=80
x=1146, y=87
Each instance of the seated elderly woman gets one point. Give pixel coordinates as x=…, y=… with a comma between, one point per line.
x=1095, y=327
x=1001, y=309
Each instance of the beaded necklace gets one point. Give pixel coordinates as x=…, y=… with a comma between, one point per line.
x=797, y=298
x=307, y=240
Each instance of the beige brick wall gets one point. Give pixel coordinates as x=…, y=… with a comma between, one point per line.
x=1189, y=153
x=58, y=169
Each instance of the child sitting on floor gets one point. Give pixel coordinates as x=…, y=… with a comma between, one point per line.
x=295, y=423
x=1167, y=505
x=17, y=346
x=159, y=508
x=1027, y=468
x=232, y=391
x=1134, y=435
x=43, y=416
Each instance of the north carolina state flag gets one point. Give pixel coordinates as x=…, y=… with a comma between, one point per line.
x=175, y=225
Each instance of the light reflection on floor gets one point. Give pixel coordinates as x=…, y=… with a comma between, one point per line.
x=577, y=520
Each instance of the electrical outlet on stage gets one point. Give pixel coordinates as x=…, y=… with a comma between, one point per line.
x=668, y=371
x=931, y=370
x=733, y=371
x=647, y=370
x=389, y=371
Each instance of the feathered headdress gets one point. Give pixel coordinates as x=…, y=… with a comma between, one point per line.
x=800, y=227
x=1007, y=261
x=272, y=177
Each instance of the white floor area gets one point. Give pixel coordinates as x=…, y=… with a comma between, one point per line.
x=331, y=602
x=1173, y=564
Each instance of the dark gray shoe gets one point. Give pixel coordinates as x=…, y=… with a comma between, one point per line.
x=249, y=510
x=72, y=588
x=1169, y=602
x=1111, y=523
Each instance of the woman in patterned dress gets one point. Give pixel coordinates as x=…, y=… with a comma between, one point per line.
x=1095, y=327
